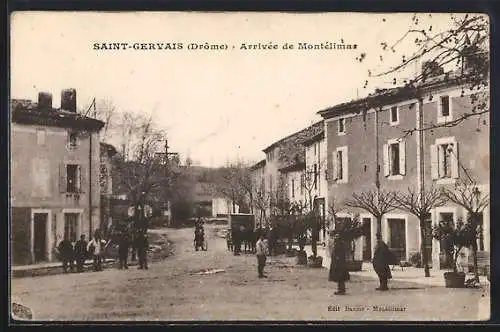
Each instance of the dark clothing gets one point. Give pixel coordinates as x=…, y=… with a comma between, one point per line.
x=123, y=248
x=97, y=262
x=382, y=258
x=199, y=236
x=338, y=265
x=142, y=245
x=80, y=254
x=236, y=238
x=261, y=263
x=67, y=254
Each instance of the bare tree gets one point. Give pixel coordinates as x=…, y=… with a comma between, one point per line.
x=420, y=206
x=261, y=200
x=462, y=49
x=376, y=202
x=138, y=170
x=234, y=182
x=309, y=182
x=468, y=196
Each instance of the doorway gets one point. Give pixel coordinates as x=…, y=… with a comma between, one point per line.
x=446, y=261
x=40, y=221
x=367, y=239
x=397, y=237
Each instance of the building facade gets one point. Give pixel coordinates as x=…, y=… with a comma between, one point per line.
x=107, y=152
x=284, y=153
x=55, y=190
x=316, y=167
x=376, y=139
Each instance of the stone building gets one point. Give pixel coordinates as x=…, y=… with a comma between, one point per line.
x=54, y=176
x=373, y=133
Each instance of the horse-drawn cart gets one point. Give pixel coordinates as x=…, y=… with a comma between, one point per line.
x=242, y=231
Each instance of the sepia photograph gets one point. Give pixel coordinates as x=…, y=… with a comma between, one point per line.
x=245, y=166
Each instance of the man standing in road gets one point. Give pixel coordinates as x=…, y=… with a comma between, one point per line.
x=142, y=250
x=382, y=258
x=261, y=256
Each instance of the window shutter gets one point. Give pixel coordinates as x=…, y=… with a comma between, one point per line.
x=402, y=157
x=83, y=178
x=63, y=185
x=434, y=162
x=345, y=165
x=386, y=159
x=334, y=160
x=455, y=159
x=441, y=154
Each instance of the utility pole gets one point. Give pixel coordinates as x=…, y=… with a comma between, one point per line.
x=421, y=164
x=377, y=171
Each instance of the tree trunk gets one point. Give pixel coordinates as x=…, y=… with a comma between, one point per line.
x=474, y=257
x=474, y=247
x=379, y=225
x=423, y=235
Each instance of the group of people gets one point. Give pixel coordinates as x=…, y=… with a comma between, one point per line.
x=82, y=250
x=241, y=236
x=382, y=258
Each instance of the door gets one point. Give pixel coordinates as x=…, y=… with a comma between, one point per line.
x=446, y=261
x=71, y=226
x=367, y=239
x=40, y=236
x=397, y=238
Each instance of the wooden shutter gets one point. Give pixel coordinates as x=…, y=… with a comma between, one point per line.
x=334, y=160
x=83, y=178
x=345, y=165
x=63, y=185
x=455, y=161
x=434, y=162
x=386, y=159
x=402, y=157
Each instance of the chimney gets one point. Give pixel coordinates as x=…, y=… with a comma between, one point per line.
x=44, y=101
x=68, y=100
x=431, y=69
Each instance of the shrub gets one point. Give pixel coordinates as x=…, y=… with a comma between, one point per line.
x=416, y=259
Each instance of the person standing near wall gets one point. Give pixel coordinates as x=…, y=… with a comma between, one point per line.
x=382, y=258
x=81, y=252
x=66, y=252
x=338, y=265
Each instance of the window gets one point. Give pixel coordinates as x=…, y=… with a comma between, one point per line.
x=394, y=115
x=315, y=149
x=444, y=159
x=70, y=226
x=72, y=140
x=40, y=136
x=444, y=109
x=293, y=188
x=270, y=183
x=395, y=159
x=72, y=178
x=339, y=172
x=341, y=127
x=340, y=165
x=445, y=106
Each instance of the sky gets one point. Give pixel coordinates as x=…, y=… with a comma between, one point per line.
x=216, y=105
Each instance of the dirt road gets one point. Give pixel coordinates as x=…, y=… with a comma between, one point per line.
x=173, y=290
